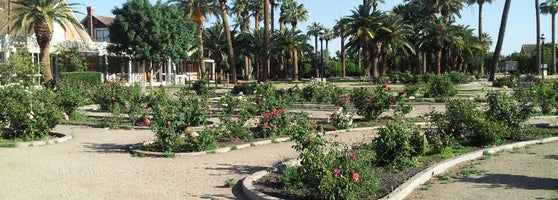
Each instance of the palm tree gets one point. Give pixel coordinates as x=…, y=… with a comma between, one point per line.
x=313, y=30
x=215, y=44
x=294, y=14
x=480, y=3
x=256, y=6
x=328, y=35
x=551, y=7
x=433, y=36
x=395, y=36
x=241, y=8
x=223, y=6
x=538, y=25
x=363, y=26
x=292, y=43
x=340, y=30
x=267, y=35
x=251, y=44
x=40, y=15
x=500, y=41
x=198, y=10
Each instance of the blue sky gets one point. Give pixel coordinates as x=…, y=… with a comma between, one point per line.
x=520, y=28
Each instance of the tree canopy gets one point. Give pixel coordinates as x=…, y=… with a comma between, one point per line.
x=151, y=32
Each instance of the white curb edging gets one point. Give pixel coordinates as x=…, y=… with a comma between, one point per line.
x=45, y=142
x=410, y=185
x=406, y=188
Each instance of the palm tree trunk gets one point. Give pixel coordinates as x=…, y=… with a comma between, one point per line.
x=267, y=23
x=44, y=36
x=500, y=42
x=200, y=50
x=439, y=61
x=343, y=66
x=538, y=24
x=553, y=43
x=232, y=63
x=480, y=37
x=295, y=60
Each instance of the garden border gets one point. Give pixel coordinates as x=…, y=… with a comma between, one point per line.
x=45, y=142
x=410, y=185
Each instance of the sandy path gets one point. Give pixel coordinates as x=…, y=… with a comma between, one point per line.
x=94, y=165
x=526, y=173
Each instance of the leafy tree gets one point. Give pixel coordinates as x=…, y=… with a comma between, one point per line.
x=40, y=15
x=151, y=32
x=20, y=64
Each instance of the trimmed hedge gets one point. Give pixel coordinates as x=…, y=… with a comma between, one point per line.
x=87, y=78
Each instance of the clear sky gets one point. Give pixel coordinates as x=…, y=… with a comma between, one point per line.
x=521, y=27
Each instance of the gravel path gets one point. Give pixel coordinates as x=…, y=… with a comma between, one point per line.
x=95, y=165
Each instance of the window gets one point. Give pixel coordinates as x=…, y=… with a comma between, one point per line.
x=102, y=35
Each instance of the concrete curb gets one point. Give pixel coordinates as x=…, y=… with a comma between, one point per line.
x=45, y=142
x=410, y=185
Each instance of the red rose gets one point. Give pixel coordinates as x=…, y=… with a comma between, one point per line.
x=353, y=157
x=356, y=176
x=113, y=98
x=146, y=122
x=384, y=85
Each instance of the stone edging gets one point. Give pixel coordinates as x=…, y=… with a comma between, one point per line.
x=45, y=142
x=410, y=185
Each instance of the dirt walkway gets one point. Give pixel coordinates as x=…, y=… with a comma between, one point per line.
x=526, y=173
x=94, y=165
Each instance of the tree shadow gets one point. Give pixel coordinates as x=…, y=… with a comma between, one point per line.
x=509, y=181
x=108, y=147
x=555, y=157
x=236, y=169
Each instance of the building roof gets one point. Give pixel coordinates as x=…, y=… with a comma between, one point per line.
x=101, y=18
x=528, y=48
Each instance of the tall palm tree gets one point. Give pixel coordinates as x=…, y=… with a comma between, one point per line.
x=538, y=27
x=500, y=41
x=257, y=6
x=480, y=3
x=313, y=30
x=40, y=15
x=198, y=11
x=294, y=14
x=340, y=30
x=395, y=36
x=267, y=35
x=328, y=35
x=224, y=16
x=241, y=8
x=433, y=36
x=363, y=25
x=292, y=43
x=551, y=7
x=215, y=44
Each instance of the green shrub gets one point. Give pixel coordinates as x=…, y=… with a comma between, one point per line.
x=70, y=98
x=205, y=140
x=371, y=104
x=393, y=146
x=440, y=88
x=201, y=87
x=460, y=77
x=504, y=109
x=508, y=81
x=405, y=77
x=30, y=115
x=338, y=174
x=318, y=92
x=92, y=79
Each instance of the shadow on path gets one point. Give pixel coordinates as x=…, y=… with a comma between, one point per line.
x=236, y=169
x=107, y=147
x=509, y=181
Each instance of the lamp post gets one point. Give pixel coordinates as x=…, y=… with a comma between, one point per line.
x=543, y=68
x=321, y=33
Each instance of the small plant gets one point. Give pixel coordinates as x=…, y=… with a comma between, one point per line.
x=427, y=185
x=233, y=147
x=230, y=183
x=341, y=119
x=371, y=104
x=440, y=88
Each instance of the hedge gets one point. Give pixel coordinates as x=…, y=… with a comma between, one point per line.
x=87, y=78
